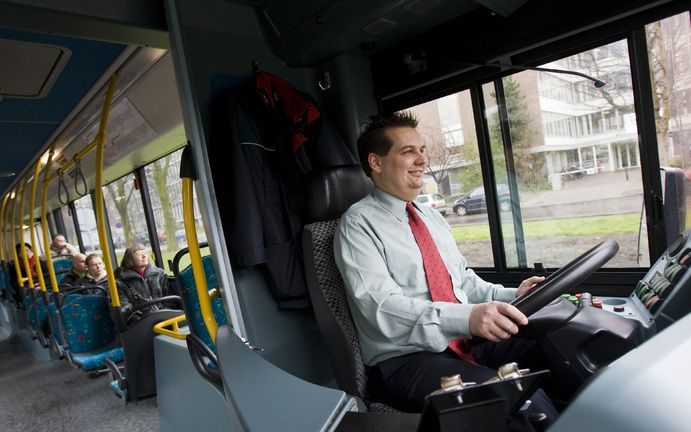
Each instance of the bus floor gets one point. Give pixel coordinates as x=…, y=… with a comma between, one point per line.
x=54, y=396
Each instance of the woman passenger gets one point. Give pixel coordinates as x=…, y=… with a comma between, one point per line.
x=139, y=281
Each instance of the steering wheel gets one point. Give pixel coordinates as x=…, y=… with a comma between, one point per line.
x=566, y=278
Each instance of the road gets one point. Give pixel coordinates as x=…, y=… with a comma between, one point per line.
x=598, y=207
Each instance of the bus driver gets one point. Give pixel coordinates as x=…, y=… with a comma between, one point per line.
x=412, y=297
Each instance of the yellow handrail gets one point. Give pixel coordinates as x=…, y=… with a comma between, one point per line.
x=44, y=221
x=196, y=258
x=17, y=267
x=3, y=243
x=98, y=194
x=25, y=259
x=32, y=231
x=160, y=328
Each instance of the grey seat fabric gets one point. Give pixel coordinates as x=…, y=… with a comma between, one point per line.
x=327, y=293
x=330, y=193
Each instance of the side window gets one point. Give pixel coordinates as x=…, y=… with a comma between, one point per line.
x=669, y=57
x=87, y=224
x=125, y=214
x=438, y=197
x=70, y=233
x=165, y=189
x=477, y=193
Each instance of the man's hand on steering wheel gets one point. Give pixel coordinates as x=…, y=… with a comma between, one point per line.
x=495, y=321
x=528, y=284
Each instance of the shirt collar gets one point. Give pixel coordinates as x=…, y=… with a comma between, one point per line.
x=392, y=204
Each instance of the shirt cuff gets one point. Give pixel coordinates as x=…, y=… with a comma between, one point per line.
x=505, y=294
x=455, y=319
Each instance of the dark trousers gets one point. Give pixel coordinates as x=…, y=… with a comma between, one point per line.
x=403, y=382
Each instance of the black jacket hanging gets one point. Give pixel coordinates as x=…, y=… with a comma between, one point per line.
x=261, y=149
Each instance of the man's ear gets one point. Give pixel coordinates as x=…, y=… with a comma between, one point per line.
x=374, y=162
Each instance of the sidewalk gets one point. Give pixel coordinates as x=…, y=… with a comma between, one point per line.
x=596, y=187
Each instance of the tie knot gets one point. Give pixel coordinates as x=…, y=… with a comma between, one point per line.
x=410, y=208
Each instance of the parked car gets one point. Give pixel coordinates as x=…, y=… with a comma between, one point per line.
x=435, y=201
x=474, y=201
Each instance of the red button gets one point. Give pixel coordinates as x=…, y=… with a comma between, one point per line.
x=619, y=308
x=597, y=303
x=578, y=295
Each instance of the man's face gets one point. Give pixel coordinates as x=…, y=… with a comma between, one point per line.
x=59, y=242
x=400, y=172
x=79, y=263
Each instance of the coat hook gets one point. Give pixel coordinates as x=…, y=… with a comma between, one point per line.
x=325, y=83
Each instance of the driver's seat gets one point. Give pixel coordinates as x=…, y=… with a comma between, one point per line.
x=329, y=193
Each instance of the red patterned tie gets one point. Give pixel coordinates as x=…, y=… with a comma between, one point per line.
x=437, y=275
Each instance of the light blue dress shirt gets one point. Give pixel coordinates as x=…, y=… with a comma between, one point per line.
x=386, y=288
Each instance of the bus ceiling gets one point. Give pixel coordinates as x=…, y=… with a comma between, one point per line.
x=406, y=41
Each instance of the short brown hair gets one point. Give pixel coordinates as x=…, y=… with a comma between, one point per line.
x=373, y=138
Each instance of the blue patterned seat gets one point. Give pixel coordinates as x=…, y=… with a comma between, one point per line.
x=62, y=266
x=89, y=332
x=190, y=299
x=32, y=305
x=4, y=285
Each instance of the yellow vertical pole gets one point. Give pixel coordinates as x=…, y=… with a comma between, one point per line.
x=44, y=221
x=32, y=231
x=196, y=258
x=25, y=258
x=98, y=194
x=17, y=267
x=3, y=242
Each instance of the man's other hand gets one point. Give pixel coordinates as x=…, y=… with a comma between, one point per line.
x=528, y=284
x=495, y=321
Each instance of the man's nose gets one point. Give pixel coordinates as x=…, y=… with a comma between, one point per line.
x=420, y=158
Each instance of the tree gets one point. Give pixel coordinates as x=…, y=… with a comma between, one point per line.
x=120, y=198
x=439, y=157
x=528, y=164
x=664, y=49
x=160, y=174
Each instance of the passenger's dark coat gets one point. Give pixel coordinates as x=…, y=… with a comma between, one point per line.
x=259, y=177
x=71, y=278
x=134, y=289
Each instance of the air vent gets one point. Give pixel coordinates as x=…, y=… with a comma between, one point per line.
x=379, y=26
x=421, y=6
x=28, y=70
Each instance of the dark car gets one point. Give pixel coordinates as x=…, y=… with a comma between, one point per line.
x=474, y=201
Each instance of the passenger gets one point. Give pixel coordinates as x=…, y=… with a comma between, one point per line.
x=410, y=291
x=29, y=255
x=96, y=271
x=60, y=248
x=139, y=281
x=77, y=272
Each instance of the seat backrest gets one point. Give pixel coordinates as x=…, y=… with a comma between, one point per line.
x=329, y=193
x=87, y=322
x=190, y=298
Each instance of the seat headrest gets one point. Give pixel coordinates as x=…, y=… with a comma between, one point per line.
x=332, y=190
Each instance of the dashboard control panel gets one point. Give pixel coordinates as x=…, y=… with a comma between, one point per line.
x=661, y=297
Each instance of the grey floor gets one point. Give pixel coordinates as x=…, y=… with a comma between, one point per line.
x=51, y=395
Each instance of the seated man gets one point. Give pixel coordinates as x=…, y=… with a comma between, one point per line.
x=77, y=272
x=60, y=248
x=413, y=299
x=96, y=271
